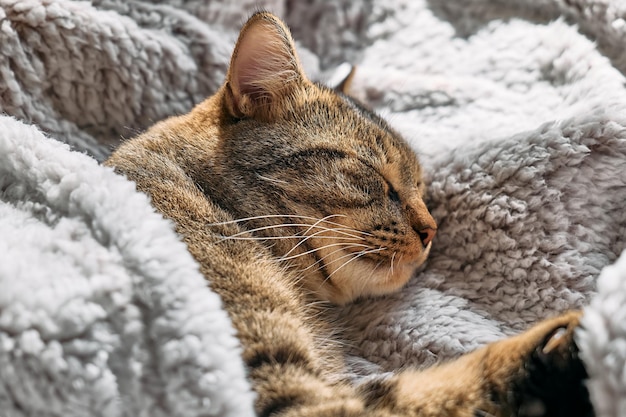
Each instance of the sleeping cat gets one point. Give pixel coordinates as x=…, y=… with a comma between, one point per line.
x=288, y=193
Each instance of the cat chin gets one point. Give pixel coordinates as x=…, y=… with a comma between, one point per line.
x=364, y=277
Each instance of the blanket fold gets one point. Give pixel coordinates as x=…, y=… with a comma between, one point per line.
x=102, y=309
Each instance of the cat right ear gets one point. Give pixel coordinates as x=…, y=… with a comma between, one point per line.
x=264, y=69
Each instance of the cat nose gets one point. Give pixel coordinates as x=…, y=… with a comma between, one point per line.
x=426, y=235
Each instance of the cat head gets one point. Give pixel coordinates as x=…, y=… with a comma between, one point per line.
x=333, y=190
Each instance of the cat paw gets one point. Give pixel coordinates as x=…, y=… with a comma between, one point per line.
x=550, y=379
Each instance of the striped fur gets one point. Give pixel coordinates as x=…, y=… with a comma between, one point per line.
x=288, y=194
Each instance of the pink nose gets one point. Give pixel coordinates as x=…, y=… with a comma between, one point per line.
x=426, y=235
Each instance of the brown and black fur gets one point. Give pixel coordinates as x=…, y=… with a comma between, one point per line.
x=288, y=193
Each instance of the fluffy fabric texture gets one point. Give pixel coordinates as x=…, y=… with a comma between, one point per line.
x=103, y=312
x=517, y=109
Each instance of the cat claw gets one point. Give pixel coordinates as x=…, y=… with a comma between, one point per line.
x=554, y=341
x=559, y=348
x=555, y=375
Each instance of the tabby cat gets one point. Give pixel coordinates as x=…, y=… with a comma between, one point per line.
x=288, y=193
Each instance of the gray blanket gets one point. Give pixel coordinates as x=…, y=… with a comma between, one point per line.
x=516, y=108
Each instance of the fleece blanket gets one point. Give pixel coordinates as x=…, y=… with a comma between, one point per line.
x=516, y=108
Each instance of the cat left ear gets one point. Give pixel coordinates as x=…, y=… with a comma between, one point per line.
x=341, y=80
x=264, y=68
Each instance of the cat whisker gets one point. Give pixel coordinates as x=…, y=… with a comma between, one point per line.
x=263, y=238
x=349, y=254
x=285, y=225
x=285, y=258
x=354, y=238
x=341, y=226
x=316, y=224
x=390, y=270
x=272, y=216
x=356, y=256
x=365, y=283
x=294, y=216
x=341, y=230
x=330, y=254
x=236, y=235
x=268, y=179
x=333, y=340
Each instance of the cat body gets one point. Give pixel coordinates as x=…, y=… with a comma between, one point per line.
x=291, y=195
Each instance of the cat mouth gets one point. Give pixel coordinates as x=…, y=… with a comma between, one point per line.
x=376, y=272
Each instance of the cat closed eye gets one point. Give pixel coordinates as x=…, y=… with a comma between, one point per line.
x=392, y=194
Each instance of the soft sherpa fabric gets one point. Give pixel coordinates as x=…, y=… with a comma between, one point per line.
x=103, y=312
x=517, y=109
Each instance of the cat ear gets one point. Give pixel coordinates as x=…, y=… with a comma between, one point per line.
x=341, y=80
x=264, y=68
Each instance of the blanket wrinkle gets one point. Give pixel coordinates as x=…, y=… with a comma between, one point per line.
x=516, y=109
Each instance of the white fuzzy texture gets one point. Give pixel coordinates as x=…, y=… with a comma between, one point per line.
x=103, y=312
x=518, y=112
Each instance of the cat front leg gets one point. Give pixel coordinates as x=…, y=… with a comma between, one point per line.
x=534, y=374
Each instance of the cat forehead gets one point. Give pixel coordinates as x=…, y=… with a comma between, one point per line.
x=364, y=112
x=349, y=115
x=338, y=100
x=384, y=136
x=370, y=134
